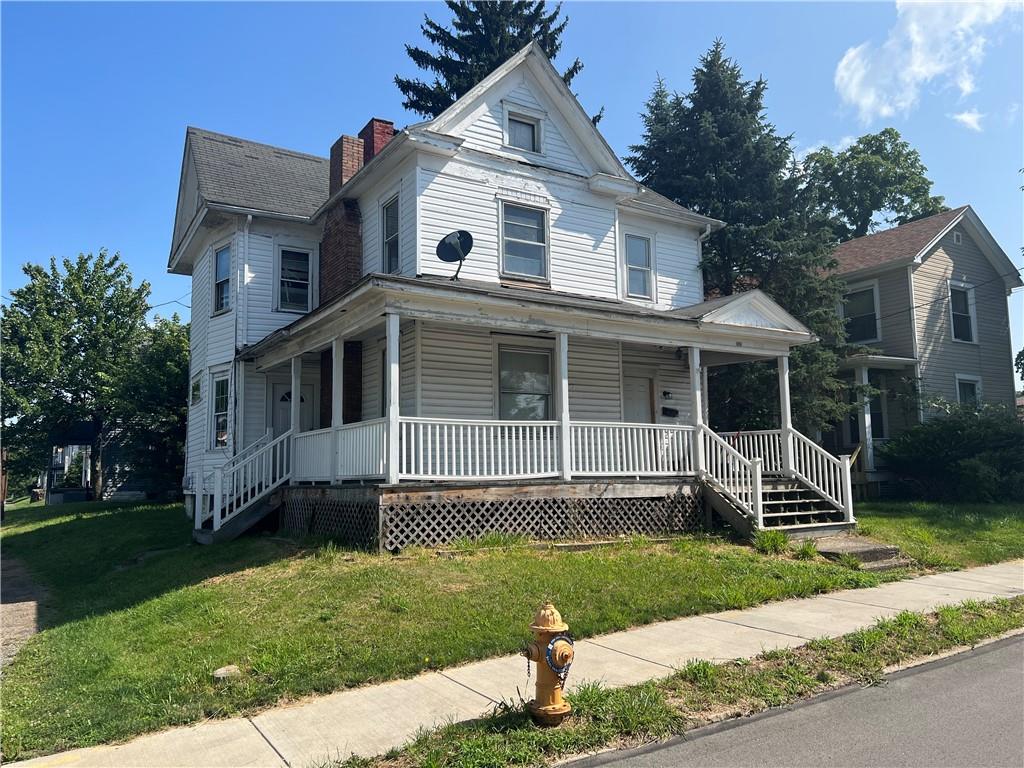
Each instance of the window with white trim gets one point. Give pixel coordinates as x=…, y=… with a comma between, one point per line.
x=524, y=384
x=523, y=133
x=961, y=311
x=389, y=236
x=222, y=279
x=524, y=241
x=294, y=285
x=958, y=238
x=639, y=269
x=860, y=311
x=968, y=389
x=196, y=395
x=220, y=411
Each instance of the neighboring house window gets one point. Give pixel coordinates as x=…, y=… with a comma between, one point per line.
x=968, y=389
x=524, y=384
x=389, y=223
x=958, y=239
x=639, y=274
x=961, y=308
x=860, y=311
x=524, y=241
x=294, y=288
x=522, y=133
x=222, y=279
x=220, y=412
x=197, y=389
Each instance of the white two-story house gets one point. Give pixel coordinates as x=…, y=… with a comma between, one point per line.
x=555, y=388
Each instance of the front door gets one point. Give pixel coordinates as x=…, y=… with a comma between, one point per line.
x=638, y=392
x=282, y=408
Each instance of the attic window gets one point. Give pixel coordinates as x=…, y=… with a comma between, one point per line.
x=522, y=133
x=958, y=238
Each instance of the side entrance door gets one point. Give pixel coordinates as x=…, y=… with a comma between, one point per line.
x=282, y=408
x=638, y=392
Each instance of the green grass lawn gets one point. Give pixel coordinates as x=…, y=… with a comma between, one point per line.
x=949, y=535
x=138, y=617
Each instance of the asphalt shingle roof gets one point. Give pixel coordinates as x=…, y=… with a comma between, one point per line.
x=234, y=171
x=899, y=244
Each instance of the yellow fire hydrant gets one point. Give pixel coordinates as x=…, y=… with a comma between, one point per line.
x=552, y=652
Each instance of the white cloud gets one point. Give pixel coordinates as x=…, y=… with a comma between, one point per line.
x=971, y=119
x=930, y=42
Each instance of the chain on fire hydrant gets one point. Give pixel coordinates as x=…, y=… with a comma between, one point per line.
x=552, y=652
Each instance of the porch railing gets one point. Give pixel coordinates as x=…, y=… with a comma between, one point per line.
x=434, y=449
x=242, y=481
x=734, y=475
x=613, y=448
x=361, y=448
x=314, y=455
x=763, y=444
x=828, y=475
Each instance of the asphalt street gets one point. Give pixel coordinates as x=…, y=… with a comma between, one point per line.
x=966, y=710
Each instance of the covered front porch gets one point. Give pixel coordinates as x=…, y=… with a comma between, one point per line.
x=434, y=388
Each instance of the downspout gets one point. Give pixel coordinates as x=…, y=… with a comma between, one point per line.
x=238, y=369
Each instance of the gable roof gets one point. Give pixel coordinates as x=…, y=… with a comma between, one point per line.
x=897, y=245
x=912, y=242
x=260, y=177
x=753, y=308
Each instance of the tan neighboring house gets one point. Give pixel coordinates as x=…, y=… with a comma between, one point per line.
x=929, y=298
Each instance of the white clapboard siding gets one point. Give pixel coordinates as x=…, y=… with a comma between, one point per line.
x=485, y=132
x=670, y=376
x=594, y=380
x=255, y=405
x=373, y=373
x=457, y=376
x=403, y=183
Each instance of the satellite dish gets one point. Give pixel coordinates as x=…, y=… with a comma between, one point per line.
x=453, y=247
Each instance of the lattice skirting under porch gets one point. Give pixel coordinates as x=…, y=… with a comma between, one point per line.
x=353, y=521
x=442, y=521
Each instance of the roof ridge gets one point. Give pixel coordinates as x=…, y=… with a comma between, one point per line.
x=957, y=210
x=194, y=129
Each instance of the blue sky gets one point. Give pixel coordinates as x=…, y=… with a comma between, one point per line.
x=96, y=97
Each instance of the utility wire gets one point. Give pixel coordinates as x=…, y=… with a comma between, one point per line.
x=946, y=298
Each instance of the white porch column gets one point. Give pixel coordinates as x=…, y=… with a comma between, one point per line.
x=392, y=342
x=337, y=381
x=786, y=416
x=562, y=404
x=296, y=403
x=697, y=406
x=864, y=419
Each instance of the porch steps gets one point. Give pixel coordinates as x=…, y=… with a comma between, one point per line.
x=239, y=524
x=872, y=555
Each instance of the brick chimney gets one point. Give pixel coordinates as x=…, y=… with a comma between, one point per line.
x=375, y=135
x=346, y=160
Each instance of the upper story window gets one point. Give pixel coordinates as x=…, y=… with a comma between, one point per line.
x=961, y=310
x=968, y=389
x=958, y=239
x=860, y=311
x=222, y=279
x=524, y=384
x=524, y=241
x=220, y=411
x=389, y=239
x=639, y=270
x=294, y=285
x=522, y=133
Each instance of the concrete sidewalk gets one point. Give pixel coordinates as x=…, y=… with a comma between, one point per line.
x=371, y=720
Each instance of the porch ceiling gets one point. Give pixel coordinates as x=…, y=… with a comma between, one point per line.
x=514, y=309
x=885, y=362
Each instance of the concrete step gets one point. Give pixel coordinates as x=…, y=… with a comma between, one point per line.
x=865, y=550
x=814, y=530
x=890, y=564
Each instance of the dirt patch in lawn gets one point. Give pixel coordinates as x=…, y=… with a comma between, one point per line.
x=19, y=607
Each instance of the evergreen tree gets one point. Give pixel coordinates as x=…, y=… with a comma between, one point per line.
x=879, y=172
x=483, y=35
x=714, y=151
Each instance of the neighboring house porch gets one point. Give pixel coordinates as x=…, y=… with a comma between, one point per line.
x=456, y=402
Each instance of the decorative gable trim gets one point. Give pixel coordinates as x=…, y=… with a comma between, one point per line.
x=755, y=309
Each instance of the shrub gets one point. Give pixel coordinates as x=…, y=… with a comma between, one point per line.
x=847, y=560
x=769, y=542
x=966, y=454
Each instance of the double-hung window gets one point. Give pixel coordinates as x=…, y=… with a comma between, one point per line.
x=524, y=241
x=522, y=133
x=389, y=227
x=961, y=309
x=860, y=311
x=639, y=273
x=524, y=384
x=294, y=288
x=220, y=412
x=222, y=279
x=968, y=389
